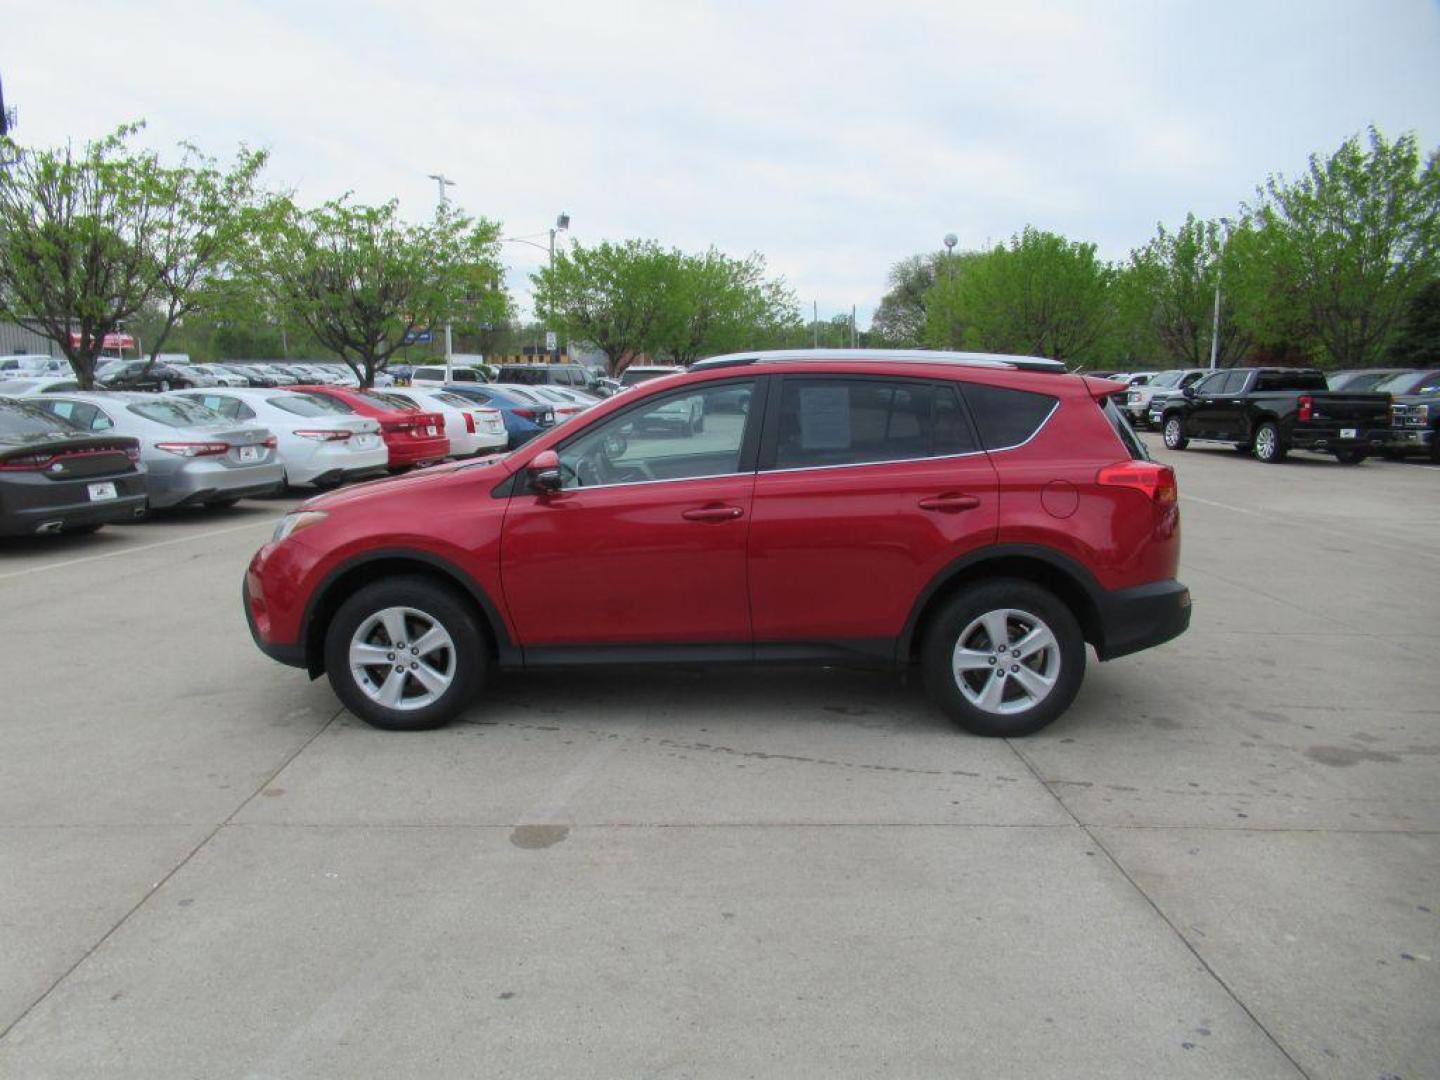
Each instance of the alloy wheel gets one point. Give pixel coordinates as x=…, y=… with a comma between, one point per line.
x=1265, y=443
x=1006, y=661
x=402, y=658
x=1172, y=433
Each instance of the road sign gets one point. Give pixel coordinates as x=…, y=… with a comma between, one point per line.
x=419, y=337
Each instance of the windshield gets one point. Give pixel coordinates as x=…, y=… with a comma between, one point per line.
x=1411, y=382
x=18, y=418
x=176, y=412
x=1167, y=378
x=388, y=401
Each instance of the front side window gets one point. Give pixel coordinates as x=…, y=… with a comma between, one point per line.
x=1007, y=417
x=678, y=436
x=1210, y=384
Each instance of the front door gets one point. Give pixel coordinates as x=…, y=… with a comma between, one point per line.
x=644, y=545
x=868, y=487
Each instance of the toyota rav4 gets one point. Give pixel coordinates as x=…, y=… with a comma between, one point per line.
x=979, y=517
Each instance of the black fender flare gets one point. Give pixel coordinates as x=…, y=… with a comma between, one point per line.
x=1091, y=621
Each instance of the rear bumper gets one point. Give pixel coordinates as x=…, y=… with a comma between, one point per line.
x=28, y=502
x=1330, y=438
x=1142, y=617
x=418, y=452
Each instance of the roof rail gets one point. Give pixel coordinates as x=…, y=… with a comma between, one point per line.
x=905, y=356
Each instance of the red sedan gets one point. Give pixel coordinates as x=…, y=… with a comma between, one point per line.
x=412, y=437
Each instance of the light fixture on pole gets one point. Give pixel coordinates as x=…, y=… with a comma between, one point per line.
x=442, y=182
x=1219, y=274
x=562, y=223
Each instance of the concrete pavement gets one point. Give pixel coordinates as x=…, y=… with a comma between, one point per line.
x=1224, y=861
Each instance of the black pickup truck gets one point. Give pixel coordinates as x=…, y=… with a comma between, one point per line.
x=1271, y=411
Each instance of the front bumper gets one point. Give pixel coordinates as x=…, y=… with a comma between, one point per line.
x=1142, y=617
x=1411, y=438
x=255, y=614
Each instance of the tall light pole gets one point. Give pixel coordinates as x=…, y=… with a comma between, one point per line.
x=1219, y=275
x=441, y=183
x=562, y=222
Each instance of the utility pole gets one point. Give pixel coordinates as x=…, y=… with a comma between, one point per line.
x=815, y=320
x=441, y=183
x=561, y=222
x=1219, y=276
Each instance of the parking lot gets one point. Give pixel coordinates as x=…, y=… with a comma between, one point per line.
x=1224, y=861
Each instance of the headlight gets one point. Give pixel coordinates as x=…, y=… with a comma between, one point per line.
x=293, y=523
x=1421, y=413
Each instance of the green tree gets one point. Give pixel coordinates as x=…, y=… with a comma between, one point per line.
x=1338, y=254
x=84, y=241
x=613, y=296
x=360, y=280
x=899, y=319
x=1041, y=294
x=1417, y=338
x=715, y=304
x=1170, y=284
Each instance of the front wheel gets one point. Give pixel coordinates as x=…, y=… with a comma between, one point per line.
x=1268, y=447
x=1004, y=658
x=405, y=654
x=1350, y=457
x=1174, y=430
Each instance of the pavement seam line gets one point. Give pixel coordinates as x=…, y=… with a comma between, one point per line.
x=269, y=522
x=8, y=1028
x=1205, y=964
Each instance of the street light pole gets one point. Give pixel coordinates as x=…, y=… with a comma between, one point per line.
x=442, y=182
x=561, y=222
x=1219, y=276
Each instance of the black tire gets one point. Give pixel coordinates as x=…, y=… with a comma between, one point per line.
x=1350, y=457
x=83, y=530
x=223, y=504
x=1244, y=448
x=471, y=654
x=1392, y=455
x=1269, y=447
x=1172, y=427
x=1435, y=447
x=958, y=616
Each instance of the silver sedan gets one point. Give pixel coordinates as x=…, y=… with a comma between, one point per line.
x=193, y=457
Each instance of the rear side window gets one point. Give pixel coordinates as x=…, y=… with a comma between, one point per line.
x=1284, y=380
x=522, y=375
x=854, y=421
x=1006, y=417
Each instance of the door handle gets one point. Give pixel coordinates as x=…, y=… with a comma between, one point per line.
x=712, y=513
x=949, y=503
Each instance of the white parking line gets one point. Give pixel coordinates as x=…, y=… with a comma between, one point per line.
x=1222, y=506
x=269, y=523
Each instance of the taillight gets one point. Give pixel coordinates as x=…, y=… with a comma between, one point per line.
x=528, y=414
x=1155, y=480
x=324, y=435
x=1307, y=408
x=271, y=443
x=194, y=449
x=470, y=423
x=26, y=463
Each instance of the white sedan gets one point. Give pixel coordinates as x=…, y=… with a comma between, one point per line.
x=471, y=428
x=37, y=384
x=319, y=441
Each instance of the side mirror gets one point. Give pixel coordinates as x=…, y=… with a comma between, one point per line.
x=543, y=473
x=1188, y=392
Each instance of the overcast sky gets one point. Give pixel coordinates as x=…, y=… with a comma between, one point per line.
x=833, y=138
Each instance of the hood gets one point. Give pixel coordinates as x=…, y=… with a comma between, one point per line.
x=477, y=470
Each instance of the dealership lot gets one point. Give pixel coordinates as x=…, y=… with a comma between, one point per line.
x=1223, y=861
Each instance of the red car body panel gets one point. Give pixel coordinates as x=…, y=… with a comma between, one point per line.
x=406, y=434
x=842, y=552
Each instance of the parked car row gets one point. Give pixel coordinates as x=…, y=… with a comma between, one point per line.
x=1268, y=412
x=212, y=447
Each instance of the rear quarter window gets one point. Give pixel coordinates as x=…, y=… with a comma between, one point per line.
x=1006, y=417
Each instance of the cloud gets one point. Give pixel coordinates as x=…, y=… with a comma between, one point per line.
x=834, y=138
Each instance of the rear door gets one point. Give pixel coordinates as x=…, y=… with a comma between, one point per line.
x=868, y=485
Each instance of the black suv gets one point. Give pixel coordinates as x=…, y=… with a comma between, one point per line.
x=574, y=376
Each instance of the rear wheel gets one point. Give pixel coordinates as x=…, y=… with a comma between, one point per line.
x=1268, y=447
x=83, y=530
x=223, y=504
x=1004, y=658
x=405, y=654
x=1350, y=457
x=1174, y=431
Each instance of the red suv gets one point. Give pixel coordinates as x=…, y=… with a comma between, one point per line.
x=982, y=517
